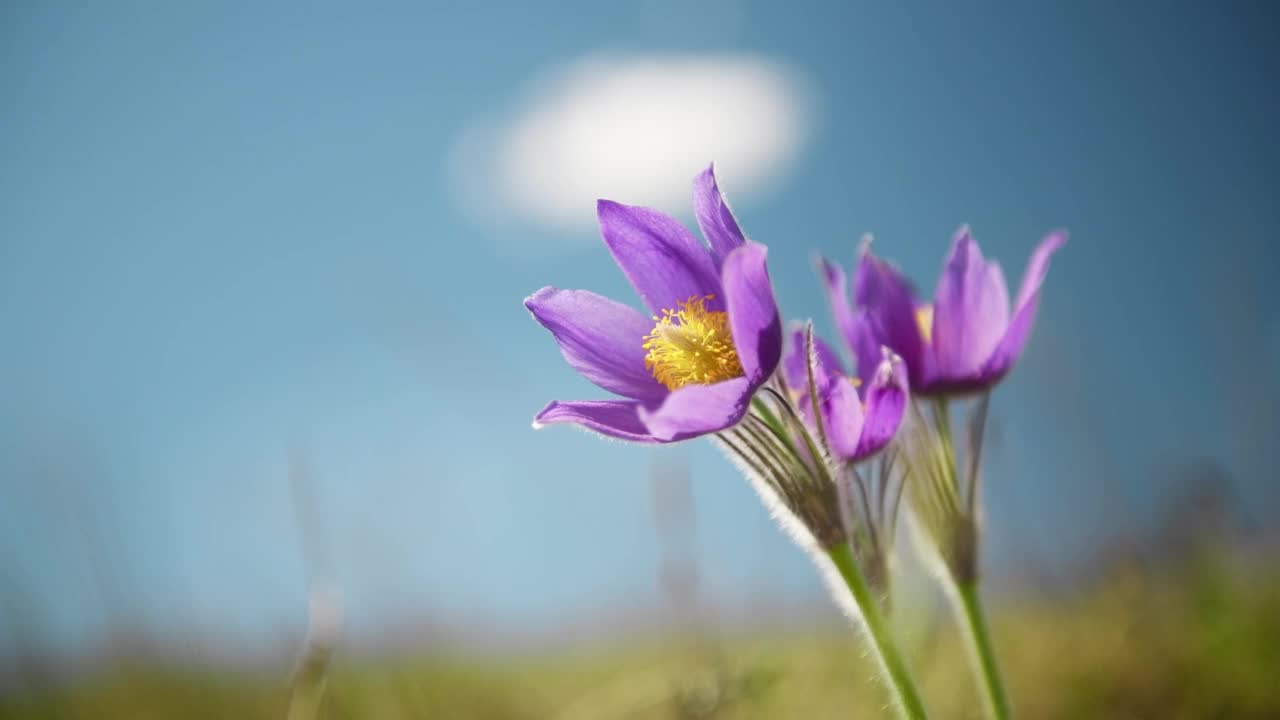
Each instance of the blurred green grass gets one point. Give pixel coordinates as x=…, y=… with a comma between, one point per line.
x=1201, y=643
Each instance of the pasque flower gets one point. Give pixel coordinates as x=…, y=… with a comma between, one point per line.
x=705, y=363
x=714, y=336
x=811, y=445
x=961, y=344
x=859, y=419
x=859, y=414
x=966, y=340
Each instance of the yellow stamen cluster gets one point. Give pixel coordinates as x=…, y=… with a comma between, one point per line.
x=691, y=345
x=924, y=319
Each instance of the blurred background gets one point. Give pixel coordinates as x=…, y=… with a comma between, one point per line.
x=266, y=382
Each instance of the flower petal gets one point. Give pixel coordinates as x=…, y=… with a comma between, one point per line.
x=886, y=401
x=842, y=417
x=600, y=338
x=695, y=410
x=1038, y=267
x=837, y=286
x=753, y=312
x=867, y=347
x=615, y=418
x=1024, y=315
x=891, y=311
x=793, y=363
x=970, y=310
x=714, y=217
x=664, y=261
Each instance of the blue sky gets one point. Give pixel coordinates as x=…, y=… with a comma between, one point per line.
x=230, y=236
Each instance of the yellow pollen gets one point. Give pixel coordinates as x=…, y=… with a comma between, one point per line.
x=924, y=319
x=691, y=345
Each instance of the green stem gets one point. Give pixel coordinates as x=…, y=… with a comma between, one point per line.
x=907, y=697
x=981, y=650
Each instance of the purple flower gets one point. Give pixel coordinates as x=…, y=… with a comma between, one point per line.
x=713, y=340
x=859, y=417
x=966, y=340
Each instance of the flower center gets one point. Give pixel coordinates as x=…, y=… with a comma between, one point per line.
x=924, y=320
x=691, y=345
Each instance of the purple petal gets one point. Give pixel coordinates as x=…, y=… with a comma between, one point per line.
x=794, y=363
x=600, y=338
x=664, y=261
x=886, y=401
x=867, y=348
x=714, y=217
x=1038, y=267
x=891, y=312
x=842, y=417
x=753, y=312
x=695, y=410
x=970, y=310
x=1024, y=315
x=837, y=287
x=615, y=418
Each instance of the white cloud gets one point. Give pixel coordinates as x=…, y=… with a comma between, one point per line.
x=633, y=129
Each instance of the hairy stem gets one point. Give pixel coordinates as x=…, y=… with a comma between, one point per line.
x=906, y=696
x=981, y=652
